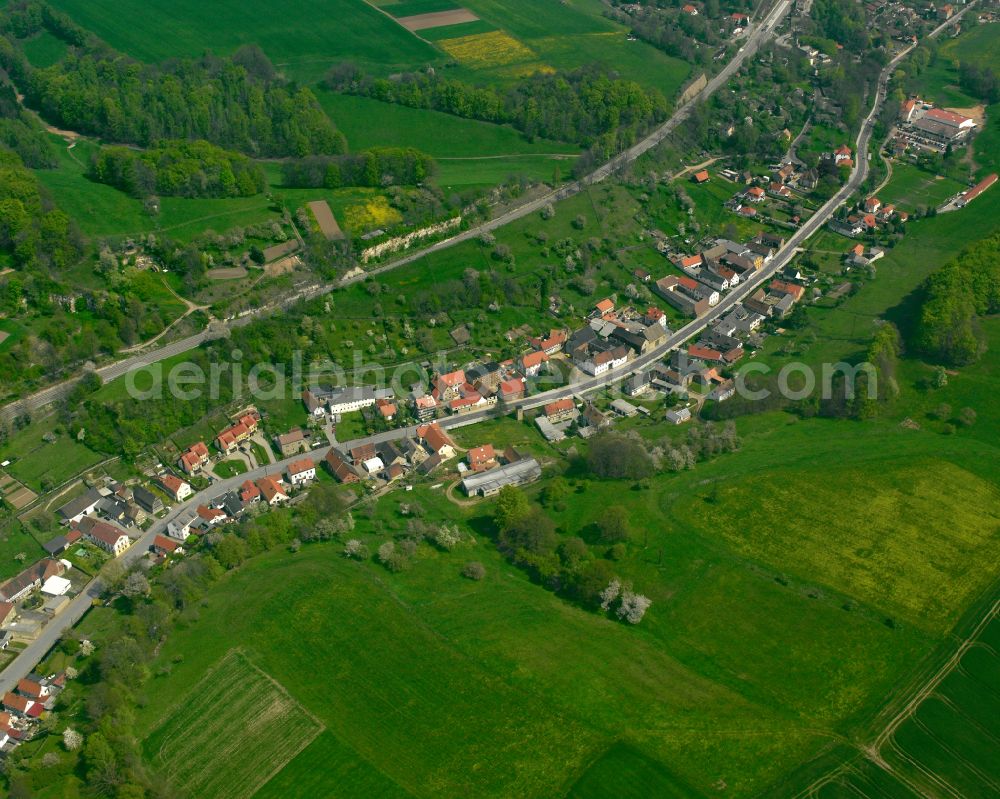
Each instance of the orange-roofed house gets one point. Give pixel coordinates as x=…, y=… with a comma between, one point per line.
x=704, y=353
x=301, y=472
x=689, y=261
x=794, y=289
x=33, y=690
x=449, y=385
x=512, y=389
x=175, y=487
x=700, y=177
x=842, y=153
x=531, y=364
x=194, y=458
x=690, y=9
x=436, y=440
x=559, y=410
x=271, y=491
x=165, y=546
x=482, y=458
x=249, y=493
x=604, y=307
x=754, y=194
x=872, y=204
x=386, y=408
x=340, y=468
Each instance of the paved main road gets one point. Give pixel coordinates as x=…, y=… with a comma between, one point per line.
x=32, y=655
x=762, y=32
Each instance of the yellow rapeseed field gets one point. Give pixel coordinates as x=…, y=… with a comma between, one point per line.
x=374, y=212
x=486, y=50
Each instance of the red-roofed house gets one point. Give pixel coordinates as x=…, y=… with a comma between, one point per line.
x=425, y=407
x=704, y=353
x=340, y=468
x=872, y=204
x=211, y=516
x=301, y=472
x=747, y=211
x=690, y=9
x=689, y=261
x=559, y=410
x=249, y=493
x=550, y=345
x=512, y=389
x=436, y=440
x=33, y=690
x=230, y=438
x=107, y=536
x=19, y=705
x=448, y=385
x=175, y=487
x=165, y=546
x=857, y=251
x=841, y=154
x=950, y=118
x=272, y=491
x=871, y=223
x=386, y=408
x=700, y=177
x=531, y=364
x=194, y=458
x=976, y=190
x=794, y=289
x=906, y=110
x=604, y=307
x=482, y=458
x=754, y=194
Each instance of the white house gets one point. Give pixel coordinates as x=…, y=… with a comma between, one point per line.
x=301, y=472
x=180, y=527
x=352, y=399
x=177, y=488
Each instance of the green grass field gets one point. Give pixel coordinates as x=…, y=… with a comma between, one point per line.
x=44, y=50
x=304, y=40
x=15, y=541
x=369, y=123
x=195, y=749
x=36, y=460
x=911, y=188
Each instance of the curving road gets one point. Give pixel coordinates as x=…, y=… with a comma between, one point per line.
x=34, y=652
x=114, y=370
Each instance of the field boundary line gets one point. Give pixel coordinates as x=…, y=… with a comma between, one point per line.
x=238, y=653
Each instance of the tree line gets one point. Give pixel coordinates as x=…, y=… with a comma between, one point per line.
x=33, y=233
x=979, y=80
x=953, y=299
x=18, y=134
x=585, y=106
x=238, y=102
x=379, y=166
x=179, y=169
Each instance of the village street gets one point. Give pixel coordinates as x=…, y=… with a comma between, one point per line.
x=28, y=659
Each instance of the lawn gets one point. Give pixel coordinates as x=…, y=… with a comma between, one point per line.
x=195, y=749
x=911, y=188
x=304, y=40
x=230, y=468
x=15, y=540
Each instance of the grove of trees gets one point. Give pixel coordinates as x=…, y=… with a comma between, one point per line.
x=179, y=169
